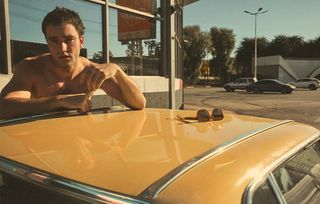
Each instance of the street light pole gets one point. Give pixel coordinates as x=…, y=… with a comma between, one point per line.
x=255, y=37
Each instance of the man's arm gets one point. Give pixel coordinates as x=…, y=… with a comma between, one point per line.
x=16, y=101
x=11, y=107
x=115, y=82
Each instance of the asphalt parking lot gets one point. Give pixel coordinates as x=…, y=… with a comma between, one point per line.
x=302, y=105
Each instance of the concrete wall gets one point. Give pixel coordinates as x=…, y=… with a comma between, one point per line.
x=289, y=69
x=268, y=61
x=155, y=89
x=268, y=72
x=4, y=79
x=285, y=77
x=303, y=67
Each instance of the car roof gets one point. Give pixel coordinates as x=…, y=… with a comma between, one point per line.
x=314, y=79
x=245, y=78
x=268, y=80
x=133, y=152
x=274, y=80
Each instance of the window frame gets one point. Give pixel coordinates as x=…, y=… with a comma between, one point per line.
x=268, y=176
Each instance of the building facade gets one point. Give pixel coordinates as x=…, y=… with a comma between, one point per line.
x=143, y=36
x=287, y=69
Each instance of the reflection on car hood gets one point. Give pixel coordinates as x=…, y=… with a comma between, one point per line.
x=122, y=151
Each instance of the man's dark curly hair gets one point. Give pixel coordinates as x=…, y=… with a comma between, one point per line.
x=60, y=16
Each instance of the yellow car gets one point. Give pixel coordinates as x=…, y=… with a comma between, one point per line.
x=157, y=156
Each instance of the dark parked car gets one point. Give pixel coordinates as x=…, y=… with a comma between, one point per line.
x=270, y=85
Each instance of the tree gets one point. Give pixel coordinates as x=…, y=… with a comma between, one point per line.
x=135, y=48
x=286, y=46
x=223, y=42
x=153, y=47
x=195, y=46
x=311, y=48
x=245, y=54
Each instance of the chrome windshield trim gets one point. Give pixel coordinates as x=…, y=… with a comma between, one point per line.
x=153, y=190
x=65, y=186
x=273, y=183
x=39, y=116
x=63, y=113
x=248, y=193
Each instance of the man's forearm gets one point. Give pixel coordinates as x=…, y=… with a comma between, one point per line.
x=18, y=107
x=130, y=90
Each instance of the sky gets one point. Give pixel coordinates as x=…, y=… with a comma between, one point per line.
x=284, y=17
x=288, y=17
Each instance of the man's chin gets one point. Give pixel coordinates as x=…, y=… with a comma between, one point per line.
x=64, y=63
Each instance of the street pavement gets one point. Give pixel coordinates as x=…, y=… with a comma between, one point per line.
x=302, y=105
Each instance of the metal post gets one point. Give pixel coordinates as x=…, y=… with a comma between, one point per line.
x=255, y=46
x=5, y=36
x=255, y=38
x=105, y=32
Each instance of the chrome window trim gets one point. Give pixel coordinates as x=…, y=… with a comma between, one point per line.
x=248, y=194
x=64, y=186
x=154, y=189
x=275, y=188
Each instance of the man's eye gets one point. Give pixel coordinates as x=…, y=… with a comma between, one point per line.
x=69, y=40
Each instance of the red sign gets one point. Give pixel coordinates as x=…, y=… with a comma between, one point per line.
x=133, y=27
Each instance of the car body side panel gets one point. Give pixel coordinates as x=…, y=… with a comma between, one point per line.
x=224, y=178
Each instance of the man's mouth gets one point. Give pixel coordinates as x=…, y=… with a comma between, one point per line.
x=64, y=57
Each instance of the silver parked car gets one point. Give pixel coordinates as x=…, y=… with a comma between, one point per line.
x=308, y=83
x=240, y=83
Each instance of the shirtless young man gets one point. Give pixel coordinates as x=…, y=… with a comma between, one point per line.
x=62, y=79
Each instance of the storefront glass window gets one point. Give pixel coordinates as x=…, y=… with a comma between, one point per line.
x=134, y=43
x=25, y=26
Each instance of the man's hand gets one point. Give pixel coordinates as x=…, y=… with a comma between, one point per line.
x=79, y=102
x=94, y=75
x=114, y=81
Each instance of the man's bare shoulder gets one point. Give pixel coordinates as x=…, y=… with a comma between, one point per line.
x=33, y=64
x=85, y=61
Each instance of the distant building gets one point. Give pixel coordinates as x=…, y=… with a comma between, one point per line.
x=287, y=69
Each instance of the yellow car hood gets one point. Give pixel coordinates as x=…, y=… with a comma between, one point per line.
x=121, y=151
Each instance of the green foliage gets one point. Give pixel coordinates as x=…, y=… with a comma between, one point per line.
x=195, y=46
x=286, y=46
x=245, y=54
x=223, y=42
x=311, y=49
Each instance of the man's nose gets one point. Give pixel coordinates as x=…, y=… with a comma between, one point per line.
x=63, y=46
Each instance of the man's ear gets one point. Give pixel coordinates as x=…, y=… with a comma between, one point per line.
x=81, y=41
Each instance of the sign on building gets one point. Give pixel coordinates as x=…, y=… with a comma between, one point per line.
x=133, y=27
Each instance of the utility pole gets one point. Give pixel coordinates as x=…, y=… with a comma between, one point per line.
x=255, y=14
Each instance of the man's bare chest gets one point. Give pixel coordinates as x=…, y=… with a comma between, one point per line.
x=50, y=87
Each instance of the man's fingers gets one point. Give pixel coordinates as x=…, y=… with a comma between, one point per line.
x=86, y=103
x=89, y=95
